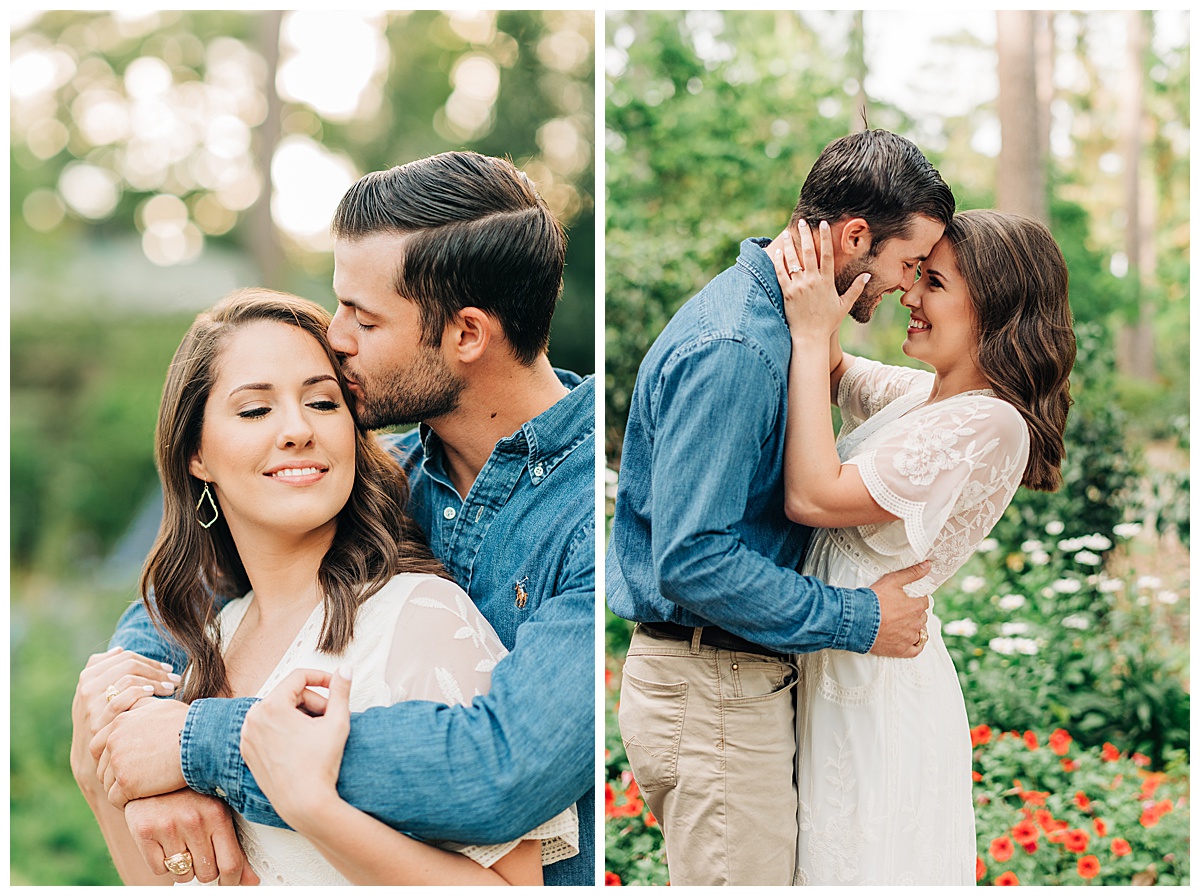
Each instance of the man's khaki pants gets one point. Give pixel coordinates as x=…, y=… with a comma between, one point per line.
x=711, y=739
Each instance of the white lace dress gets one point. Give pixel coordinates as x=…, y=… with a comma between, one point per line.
x=884, y=748
x=419, y=638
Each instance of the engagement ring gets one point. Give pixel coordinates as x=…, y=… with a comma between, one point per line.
x=111, y=691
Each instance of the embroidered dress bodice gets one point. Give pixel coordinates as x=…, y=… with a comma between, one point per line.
x=420, y=637
x=884, y=751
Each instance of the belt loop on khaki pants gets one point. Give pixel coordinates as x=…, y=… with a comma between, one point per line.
x=697, y=634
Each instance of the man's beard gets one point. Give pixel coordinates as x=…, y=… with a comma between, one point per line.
x=864, y=306
x=426, y=390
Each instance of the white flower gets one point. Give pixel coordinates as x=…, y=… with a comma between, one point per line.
x=1049, y=592
x=964, y=627
x=1088, y=557
x=1076, y=621
x=1026, y=646
x=1070, y=545
x=988, y=544
x=1031, y=545
x=1110, y=586
x=971, y=584
x=1127, y=530
x=1014, y=628
x=1012, y=601
x=1096, y=542
x=1066, y=586
x=1167, y=597
x=925, y=453
x=1054, y=527
x=1003, y=645
x=1039, y=558
x=1143, y=600
x=1149, y=582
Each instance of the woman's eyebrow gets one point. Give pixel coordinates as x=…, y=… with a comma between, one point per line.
x=267, y=387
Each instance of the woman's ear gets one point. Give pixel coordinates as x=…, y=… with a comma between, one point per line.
x=469, y=334
x=196, y=468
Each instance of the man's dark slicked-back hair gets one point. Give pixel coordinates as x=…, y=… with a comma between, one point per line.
x=478, y=234
x=878, y=176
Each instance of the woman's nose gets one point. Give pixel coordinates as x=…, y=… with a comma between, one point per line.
x=295, y=430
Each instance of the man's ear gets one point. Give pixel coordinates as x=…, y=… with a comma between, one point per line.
x=855, y=239
x=469, y=334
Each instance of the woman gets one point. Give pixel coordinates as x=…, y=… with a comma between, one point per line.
x=275, y=499
x=922, y=469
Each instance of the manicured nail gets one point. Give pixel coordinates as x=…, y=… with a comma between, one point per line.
x=169, y=685
x=113, y=650
x=148, y=688
x=175, y=678
x=168, y=667
x=866, y=278
x=802, y=223
x=347, y=672
x=824, y=225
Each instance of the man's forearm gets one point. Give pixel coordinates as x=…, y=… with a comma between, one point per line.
x=136, y=632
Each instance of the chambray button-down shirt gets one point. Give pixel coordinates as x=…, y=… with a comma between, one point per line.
x=699, y=536
x=522, y=544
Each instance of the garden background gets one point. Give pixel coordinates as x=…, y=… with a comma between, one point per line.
x=158, y=160
x=1070, y=629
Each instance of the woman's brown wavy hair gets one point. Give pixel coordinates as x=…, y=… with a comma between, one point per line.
x=1017, y=279
x=191, y=569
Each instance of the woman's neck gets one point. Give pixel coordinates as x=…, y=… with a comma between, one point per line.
x=955, y=380
x=283, y=568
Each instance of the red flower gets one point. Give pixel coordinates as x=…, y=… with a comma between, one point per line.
x=608, y=678
x=980, y=869
x=1088, y=867
x=1121, y=847
x=1140, y=760
x=1001, y=849
x=1060, y=741
x=1031, y=740
x=631, y=792
x=651, y=821
x=610, y=799
x=1047, y=822
x=1030, y=848
x=980, y=735
x=1109, y=753
x=1152, y=814
x=612, y=879
x=1025, y=832
x=1007, y=879
x=1076, y=840
x=975, y=776
x=1032, y=797
x=1069, y=765
x=1150, y=785
x=1082, y=801
x=1100, y=826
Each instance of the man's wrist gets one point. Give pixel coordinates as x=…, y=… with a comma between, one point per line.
x=209, y=747
x=860, y=620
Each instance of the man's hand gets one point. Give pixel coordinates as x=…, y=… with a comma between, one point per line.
x=296, y=734
x=137, y=754
x=165, y=825
x=901, y=618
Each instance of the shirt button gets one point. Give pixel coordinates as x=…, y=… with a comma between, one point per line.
x=449, y=513
x=539, y=470
x=221, y=792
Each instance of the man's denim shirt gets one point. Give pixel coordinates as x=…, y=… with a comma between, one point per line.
x=699, y=536
x=522, y=544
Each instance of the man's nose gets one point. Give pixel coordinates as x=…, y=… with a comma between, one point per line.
x=339, y=333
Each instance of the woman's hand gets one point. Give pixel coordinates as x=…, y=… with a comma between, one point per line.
x=810, y=297
x=109, y=684
x=293, y=741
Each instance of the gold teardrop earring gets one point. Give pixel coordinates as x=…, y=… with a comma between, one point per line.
x=211, y=503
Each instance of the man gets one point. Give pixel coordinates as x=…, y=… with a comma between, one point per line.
x=447, y=271
x=701, y=554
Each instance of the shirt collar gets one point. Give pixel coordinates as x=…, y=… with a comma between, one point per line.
x=550, y=436
x=757, y=263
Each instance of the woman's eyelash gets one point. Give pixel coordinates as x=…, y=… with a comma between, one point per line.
x=252, y=413
x=326, y=404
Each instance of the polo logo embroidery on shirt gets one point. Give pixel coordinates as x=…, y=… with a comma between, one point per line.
x=522, y=594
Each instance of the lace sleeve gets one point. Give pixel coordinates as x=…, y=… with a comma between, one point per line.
x=867, y=387
x=947, y=472
x=444, y=650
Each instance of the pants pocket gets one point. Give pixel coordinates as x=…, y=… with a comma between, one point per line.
x=757, y=678
x=651, y=720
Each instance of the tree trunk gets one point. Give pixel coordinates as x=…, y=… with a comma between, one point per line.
x=1020, y=176
x=263, y=239
x=1138, y=337
x=858, y=68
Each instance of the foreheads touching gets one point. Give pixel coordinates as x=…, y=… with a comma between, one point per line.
x=475, y=233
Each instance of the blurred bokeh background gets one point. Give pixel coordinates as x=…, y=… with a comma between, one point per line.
x=157, y=161
x=1078, y=613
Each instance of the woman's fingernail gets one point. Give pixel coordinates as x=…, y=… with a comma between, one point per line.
x=824, y=225
x=168, y=667
x=347, y=672
x=801, y=223
x=169, y=685
x=148, y=688
x=175, y=677
x=866, y=278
